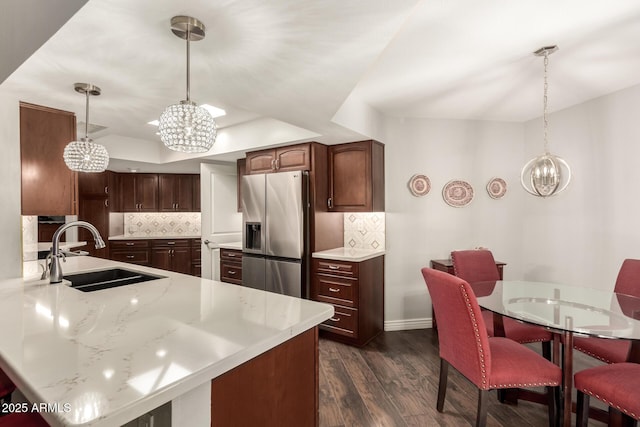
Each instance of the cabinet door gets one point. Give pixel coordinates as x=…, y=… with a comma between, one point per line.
x=161, y=257
x=241, y=171
x=294, y=157
x=93, y=184
x=95, y=210
x=181, y=260
x=175, y=193
x=146, y=189
x=260, y=161
x=49, y=187
x=127, y=192
x=356, y=177
x=196, y=193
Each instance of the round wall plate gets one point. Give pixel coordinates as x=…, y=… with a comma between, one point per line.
x=497, y=188
x=457, y=193
x=419, y=185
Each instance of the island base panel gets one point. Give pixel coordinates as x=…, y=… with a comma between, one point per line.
x=277, y=388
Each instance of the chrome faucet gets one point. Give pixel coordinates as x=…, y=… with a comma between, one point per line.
x=55, y=270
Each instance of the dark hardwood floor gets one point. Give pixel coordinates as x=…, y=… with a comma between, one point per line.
x=393, y=381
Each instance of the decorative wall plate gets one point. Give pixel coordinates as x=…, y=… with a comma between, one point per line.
x=497, y=188
x=419, y=185
x=457, y=193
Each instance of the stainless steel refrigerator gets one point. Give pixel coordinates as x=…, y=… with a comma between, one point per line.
x=274, y=232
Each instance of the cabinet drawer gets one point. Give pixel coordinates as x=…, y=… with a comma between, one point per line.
x=171, y=242
x=339, y=268
x=231, y=254
x=343, y=322
x=128, y=244
x=134, y=257
x=335, y=290
x=231, y=272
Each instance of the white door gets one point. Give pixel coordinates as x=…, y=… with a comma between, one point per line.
x=221, y=221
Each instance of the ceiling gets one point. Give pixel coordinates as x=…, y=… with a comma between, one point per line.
x=283, y=69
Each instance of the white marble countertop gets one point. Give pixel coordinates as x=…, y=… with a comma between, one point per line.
x=123, y=237
x=115, y=354
x=349, y=254
x=231, y=245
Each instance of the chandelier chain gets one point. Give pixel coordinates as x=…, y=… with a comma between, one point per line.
x=544, y=100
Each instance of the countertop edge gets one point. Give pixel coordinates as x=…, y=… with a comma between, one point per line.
x=342, y=254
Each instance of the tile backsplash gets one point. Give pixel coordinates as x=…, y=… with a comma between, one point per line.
x=364, y=230
x=159, y=224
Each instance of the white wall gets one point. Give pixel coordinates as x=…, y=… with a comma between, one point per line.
x=423, y=228
x=595, y=224
x=579, y=237
x=10, y=219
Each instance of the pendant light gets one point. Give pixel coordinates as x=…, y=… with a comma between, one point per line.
x=85, y=155
x=186, y=127
x=545, y=175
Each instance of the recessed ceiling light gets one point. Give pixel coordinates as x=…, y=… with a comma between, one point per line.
x=214, y=111
x=153, y=123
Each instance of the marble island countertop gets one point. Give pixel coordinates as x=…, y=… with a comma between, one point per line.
x=115, y=354
x=349, y=254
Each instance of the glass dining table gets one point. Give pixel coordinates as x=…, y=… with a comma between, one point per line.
x=567, y=311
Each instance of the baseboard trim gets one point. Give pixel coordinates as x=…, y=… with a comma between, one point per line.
x=407, y=324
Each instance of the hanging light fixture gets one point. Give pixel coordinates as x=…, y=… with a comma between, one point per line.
x=85, y=155
x=185, y=126
x=545, y=175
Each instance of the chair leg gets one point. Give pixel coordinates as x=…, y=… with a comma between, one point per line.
x=546, y=350
x=582, y=409
x=619, y=418
x=481, y=417
x=442, y=384
x=552, y=399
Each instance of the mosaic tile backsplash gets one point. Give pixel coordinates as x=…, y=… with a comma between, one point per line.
x=364, y=230
x=158, y=224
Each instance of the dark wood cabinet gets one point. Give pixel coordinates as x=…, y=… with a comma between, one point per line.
x=289, y=158
x=231, y=266
x=138, y=192
x=196, y=257
x=131, y=251
x=96, y=200
x=196, y=193
x=356, y=290
x=49, y=187
x=356, y=177
x=176, y=193
x=172, y=255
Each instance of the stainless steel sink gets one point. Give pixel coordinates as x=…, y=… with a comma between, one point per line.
x=105, y=279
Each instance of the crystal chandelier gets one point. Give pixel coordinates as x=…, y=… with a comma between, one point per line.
x=85, y=155
x=545, y=175
x=185, y=126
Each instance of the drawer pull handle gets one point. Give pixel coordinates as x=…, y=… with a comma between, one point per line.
x=129, y=243
x=231, y=272
x=334, y=267
x=335, y=319
x=230, y=255
x=171, y=243
x=130, y=256
x=334, y=290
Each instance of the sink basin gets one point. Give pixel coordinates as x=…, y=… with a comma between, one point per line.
x=105, y=279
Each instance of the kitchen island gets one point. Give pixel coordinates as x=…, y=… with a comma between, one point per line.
x=215, y=350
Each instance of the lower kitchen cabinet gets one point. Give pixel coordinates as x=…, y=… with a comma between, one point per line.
x=356, y=291
x=231, y=266
x=196, y=257
x=131, y=251
x=172, y=255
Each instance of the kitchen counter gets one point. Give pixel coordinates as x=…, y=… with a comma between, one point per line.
x=349, y=254
x=123, y=237
x=232, y=245
x=113, y=355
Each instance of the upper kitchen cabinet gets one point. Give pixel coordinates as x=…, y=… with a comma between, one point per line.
x=241, y=168
x=49, y=187
x=196, y=193
x=176, y=193
x=356, y=177
x=138, y=192
x=289, y=158
x=96, y=200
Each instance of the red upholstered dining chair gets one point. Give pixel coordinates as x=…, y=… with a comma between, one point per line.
x=6, y=387
x=476, y=266
x=608, y=350
x=615, y=384
x=488, y=362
